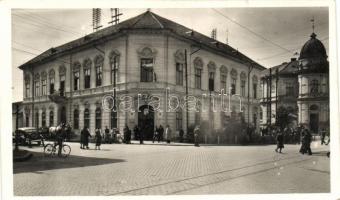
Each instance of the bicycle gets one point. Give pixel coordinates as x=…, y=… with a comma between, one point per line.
x=52, y=150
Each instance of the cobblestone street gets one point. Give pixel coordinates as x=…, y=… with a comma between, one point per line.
x=160, y=169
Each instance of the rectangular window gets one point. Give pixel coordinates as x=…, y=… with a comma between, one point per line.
x=44, y=87
x=179, y=120
x=27, y=86
x=243, y=88
x=198, y=76
x=224, y=83
x=87, y=78
x=255, y=90
x=37, y=88
x=146, y=70
x=289, y=89
x=211, y=81
x=76, y=80
x=179, y=74
x=233, y=86
x=51, y=85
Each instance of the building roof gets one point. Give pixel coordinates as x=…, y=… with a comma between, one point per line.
x=313, y=48
x=284, y=69
x=145, y=21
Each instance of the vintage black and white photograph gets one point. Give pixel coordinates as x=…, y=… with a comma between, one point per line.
x=170, y=101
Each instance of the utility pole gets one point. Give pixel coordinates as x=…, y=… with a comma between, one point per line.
x=115, y=16
x=276, y=93
x=186, y=89
x=16, y=128
x=250, y=68
x=270, y=97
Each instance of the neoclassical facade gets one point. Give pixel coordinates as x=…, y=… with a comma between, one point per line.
x=300, y=87
x=154, y=63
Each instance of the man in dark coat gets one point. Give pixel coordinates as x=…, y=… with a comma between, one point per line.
x=86, y=138
x=82, y=136
x=126, y=132
x=279, y=140
x=107, y=135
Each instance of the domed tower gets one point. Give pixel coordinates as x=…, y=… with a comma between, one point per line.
x=313, y=100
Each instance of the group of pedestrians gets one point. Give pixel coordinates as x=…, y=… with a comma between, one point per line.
x=305, y=137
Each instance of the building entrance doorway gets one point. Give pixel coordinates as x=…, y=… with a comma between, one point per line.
x=62, y=116
x=146, y=121
x=314, y=122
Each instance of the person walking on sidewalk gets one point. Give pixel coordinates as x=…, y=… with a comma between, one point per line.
x=279, y=141
x=98, y=139
x=197, y=133
x=86, y=138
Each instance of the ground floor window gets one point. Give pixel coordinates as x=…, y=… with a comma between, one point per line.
x=179, y=121
x=98, y=118
x=51, y=118
x=113, y=119
x=43, y=119
x=76, y=119
x=87, y=118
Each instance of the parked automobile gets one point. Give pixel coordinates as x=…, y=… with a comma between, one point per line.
x=27, y=135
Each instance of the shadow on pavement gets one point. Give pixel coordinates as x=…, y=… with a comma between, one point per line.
x=41, y=163
x=320, y=153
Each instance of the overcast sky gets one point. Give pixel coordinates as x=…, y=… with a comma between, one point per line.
x=269, y=36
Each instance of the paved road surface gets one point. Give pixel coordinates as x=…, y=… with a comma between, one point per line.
x=160, y=169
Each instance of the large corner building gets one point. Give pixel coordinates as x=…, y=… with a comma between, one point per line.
x=142, y=55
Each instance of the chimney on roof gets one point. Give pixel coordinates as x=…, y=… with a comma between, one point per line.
x=214, y=34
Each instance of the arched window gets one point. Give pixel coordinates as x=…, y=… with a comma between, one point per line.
x=233, y=75
x=87, y=73
x=314, y=87
x=76, y=119
x=44, y=83
x=223, y=78
x=62, y=76
x=43, y=119
x=179, y=60
x=86, y=118
x=37, y=119
x=114, y=119
x=146, y=56
x=27, y=86
x=98, y=61
x=179, y=119
x=255, y=86
x=51, y=118
x=198, y=64
x=37, y=85
x=76, y=76
x=98, y=118
x=211, y=70
x=243, y=78
x=114, y=63
x=52, y=80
